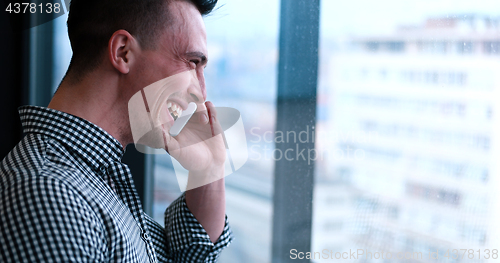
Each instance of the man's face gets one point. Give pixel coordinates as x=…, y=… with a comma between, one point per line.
x=181, y=47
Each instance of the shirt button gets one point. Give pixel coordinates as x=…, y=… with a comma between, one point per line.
x=145, y=236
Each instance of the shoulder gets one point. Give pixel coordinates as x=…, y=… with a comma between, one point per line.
x=39, y=169
x=26, y=157
x=37, y=155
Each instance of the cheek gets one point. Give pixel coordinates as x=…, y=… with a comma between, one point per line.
x=147, y=73
x=156, y=66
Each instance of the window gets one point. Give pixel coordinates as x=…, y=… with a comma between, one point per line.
x=409, y=160
x=241, y=73
x=405, y=132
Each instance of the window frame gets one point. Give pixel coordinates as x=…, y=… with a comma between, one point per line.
x=296, y=111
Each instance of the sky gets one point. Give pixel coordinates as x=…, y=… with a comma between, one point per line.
x=232, y=18
x=361, y=17
x=340, y=18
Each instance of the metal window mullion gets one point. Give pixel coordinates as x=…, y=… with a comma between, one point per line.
x=41, y=62
x=296, y=112
x=142, y=168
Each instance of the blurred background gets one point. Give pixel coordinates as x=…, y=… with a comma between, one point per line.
x=405, y=126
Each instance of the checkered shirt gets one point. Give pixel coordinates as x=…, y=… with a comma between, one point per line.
x=65, y=196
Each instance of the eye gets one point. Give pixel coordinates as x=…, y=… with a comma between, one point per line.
x=195, y=62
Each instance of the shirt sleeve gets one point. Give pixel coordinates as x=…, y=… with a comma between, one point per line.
x=44, y=220
x=188, y=240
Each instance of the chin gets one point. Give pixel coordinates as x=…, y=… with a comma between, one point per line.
x=154, y=138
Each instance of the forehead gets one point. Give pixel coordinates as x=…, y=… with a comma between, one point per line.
x=187, y=29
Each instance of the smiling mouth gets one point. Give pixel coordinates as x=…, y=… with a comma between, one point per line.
x=174, y=109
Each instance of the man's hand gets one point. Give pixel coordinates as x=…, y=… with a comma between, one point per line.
x=200, y=149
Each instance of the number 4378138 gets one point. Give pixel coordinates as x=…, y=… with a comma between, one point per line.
x=471, y=254
x=33, y=8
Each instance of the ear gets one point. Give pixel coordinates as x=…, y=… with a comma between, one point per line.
x=122, y=48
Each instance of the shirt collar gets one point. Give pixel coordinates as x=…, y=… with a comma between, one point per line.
x=96, y=146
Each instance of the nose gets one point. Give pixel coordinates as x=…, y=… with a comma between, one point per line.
x=195, y=98
x=198, y=92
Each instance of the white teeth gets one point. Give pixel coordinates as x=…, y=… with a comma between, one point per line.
x=175, y=110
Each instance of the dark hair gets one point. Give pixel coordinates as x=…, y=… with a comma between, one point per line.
x=91, y=23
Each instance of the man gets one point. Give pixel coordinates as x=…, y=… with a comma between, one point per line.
x=65, y=196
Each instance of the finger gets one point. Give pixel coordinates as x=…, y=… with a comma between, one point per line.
x=201, y=114
x=200, y=117
x=194, y=131
x=214, y=121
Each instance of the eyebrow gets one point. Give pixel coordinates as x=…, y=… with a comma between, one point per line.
x=198, y=54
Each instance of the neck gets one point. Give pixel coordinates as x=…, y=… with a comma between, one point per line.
x=97, y=99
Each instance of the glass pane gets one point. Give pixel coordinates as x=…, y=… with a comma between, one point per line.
x=406, y=131
x=62, y=49
x=241, y=73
